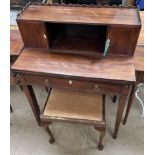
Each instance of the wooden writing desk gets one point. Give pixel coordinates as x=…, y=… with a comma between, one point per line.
x=112, y=75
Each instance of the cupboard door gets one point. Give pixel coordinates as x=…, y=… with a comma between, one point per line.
x=33, y=34
x=123, y=40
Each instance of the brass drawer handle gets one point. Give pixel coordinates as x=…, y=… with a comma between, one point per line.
x=70, y=82
x=96, y=87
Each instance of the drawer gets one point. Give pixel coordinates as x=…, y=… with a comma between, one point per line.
x=72, y=84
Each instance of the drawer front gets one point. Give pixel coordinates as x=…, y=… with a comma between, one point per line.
x=72, y=84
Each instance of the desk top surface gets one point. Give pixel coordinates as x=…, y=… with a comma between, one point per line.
x=16, y=43
x=43, y=62
x=82, y=15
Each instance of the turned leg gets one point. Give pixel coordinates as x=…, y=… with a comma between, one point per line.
x=11, y=110
x=120, y=110
x=51, y=140
x=102, y=135
x=103, y=128
x=130, y=102
x=114, y=98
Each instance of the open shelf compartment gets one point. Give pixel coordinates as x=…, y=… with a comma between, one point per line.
x=76, y=38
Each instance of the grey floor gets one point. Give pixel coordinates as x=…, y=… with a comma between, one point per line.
x=70, y=139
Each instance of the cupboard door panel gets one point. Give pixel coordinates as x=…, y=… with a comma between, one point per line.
x=123, y=40
x=33, y=34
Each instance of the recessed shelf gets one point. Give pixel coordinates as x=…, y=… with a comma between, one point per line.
x=76, y=39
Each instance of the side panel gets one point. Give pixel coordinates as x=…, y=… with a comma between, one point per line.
x=123, y=40
x=33, y=34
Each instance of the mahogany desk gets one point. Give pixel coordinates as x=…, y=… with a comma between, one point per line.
x=112, y=75
x=29, y=74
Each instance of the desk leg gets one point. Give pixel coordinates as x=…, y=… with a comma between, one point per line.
x=120, y=110
x=114, y=98
x=29, y=92
x=131, y=98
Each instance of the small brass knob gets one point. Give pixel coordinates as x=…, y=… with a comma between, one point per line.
x=46, y=82
x=70, y=82
x=96, y=86
x=44, y=36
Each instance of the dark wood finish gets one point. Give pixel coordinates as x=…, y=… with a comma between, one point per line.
x=16, y=43
x=102, y=129
x=91, y=31
x=16, y=46
x=116, y=69
x=139, y=77
x=51, y=140
x=124, y=41
x=120, y=110
x=82, y=15
x=56, y=71
x=73, y=84
x=112, y=70
x=32, y=34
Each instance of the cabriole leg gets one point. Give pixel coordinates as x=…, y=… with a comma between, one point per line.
x=51, y=140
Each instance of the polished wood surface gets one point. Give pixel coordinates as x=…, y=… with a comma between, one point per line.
x=16, y=43
x=117, y=69
x=74, y=84
x=78, y=14
x=81, y=30
x=122, y=40
x=32, y=34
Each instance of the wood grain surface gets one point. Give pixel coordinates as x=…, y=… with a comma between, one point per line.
x=44, y=62
x=16, y=43
x=78, y=14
